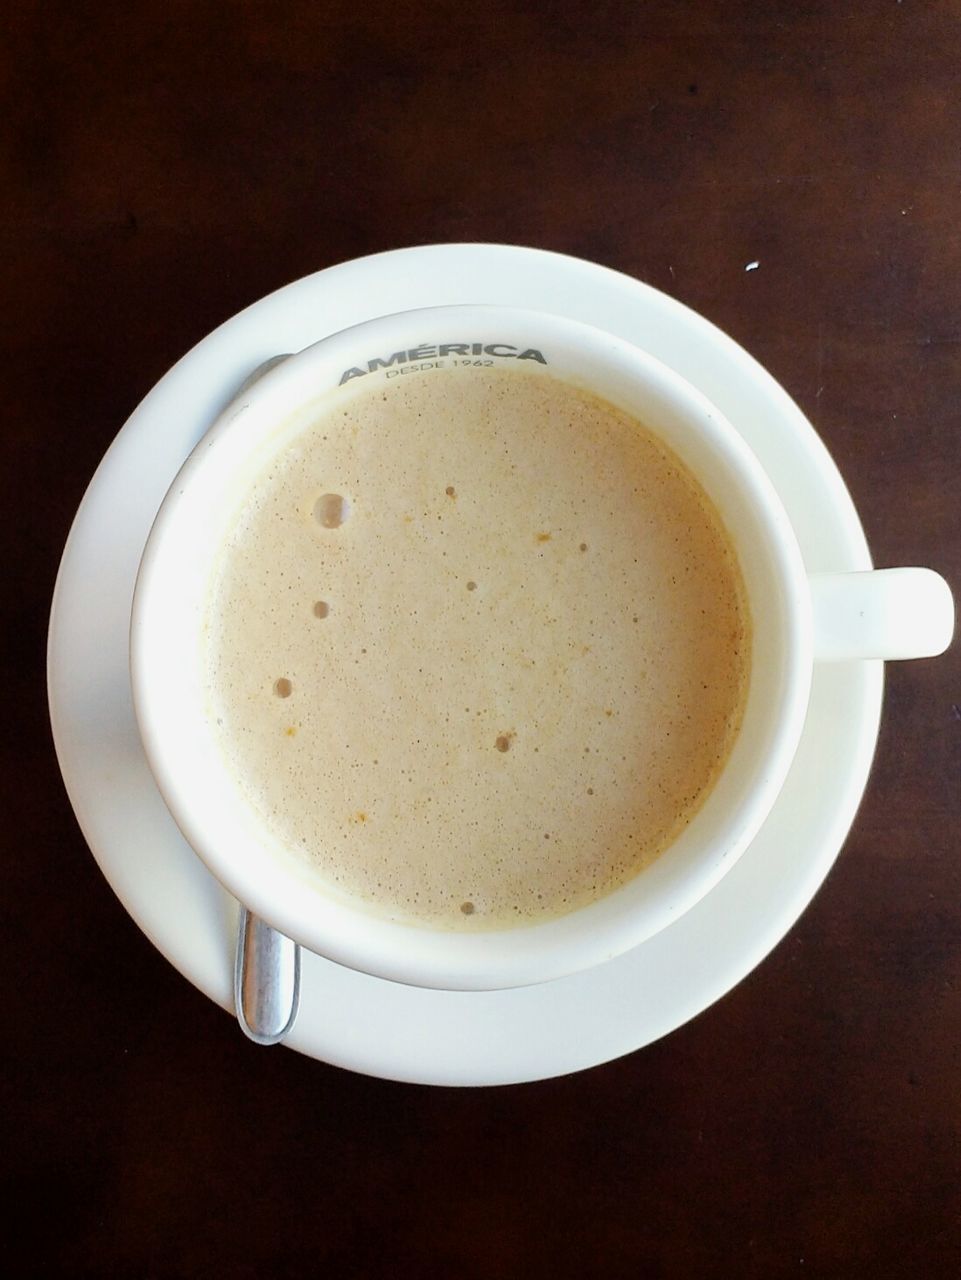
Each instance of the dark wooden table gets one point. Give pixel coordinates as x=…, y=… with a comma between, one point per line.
x=165, y=164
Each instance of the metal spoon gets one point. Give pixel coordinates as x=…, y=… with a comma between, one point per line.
x=266, y=980
x=267, y=968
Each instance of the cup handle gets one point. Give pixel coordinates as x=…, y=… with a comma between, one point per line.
x=881, y=613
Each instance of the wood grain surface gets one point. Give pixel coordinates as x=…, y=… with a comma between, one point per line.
x=166, y=163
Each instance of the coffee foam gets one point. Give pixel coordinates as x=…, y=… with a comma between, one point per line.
x=477, y=647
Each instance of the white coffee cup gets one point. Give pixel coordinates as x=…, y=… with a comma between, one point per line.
x=796, y=619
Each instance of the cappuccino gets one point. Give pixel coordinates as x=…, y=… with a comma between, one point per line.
x=477, y=646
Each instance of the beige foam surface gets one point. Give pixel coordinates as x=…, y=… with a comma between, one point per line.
x=477, y=647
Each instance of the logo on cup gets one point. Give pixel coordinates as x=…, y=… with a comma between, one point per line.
x=465, y=352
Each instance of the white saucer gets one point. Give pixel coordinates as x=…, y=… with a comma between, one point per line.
x=363, y=1023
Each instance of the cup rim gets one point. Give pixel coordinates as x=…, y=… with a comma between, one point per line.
x=398, y=951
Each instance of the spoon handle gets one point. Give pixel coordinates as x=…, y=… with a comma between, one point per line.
x=266, y=980
x=267, y=968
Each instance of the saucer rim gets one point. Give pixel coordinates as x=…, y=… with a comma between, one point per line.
x=854, y=553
